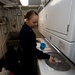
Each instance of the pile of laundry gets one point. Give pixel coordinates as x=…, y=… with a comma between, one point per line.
x=6, y=72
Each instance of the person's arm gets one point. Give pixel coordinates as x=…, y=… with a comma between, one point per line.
x=42, y=55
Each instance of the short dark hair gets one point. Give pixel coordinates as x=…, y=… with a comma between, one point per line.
x=30, y=13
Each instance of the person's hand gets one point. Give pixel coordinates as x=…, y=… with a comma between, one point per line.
x=51, y=60
x=38, y=41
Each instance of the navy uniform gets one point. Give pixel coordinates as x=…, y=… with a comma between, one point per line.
x=29, y=52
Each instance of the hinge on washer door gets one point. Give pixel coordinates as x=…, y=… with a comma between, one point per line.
x=67, y=28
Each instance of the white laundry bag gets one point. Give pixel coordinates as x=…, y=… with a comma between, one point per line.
x=5, y=72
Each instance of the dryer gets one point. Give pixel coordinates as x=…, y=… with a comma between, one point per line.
x=59, y=26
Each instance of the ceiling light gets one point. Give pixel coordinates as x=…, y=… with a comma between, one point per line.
x=54, y=2
x=24, y=2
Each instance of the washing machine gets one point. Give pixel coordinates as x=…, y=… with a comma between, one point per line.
x=62, y=66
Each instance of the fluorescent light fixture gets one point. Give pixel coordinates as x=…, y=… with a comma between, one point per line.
x=24, y=2
x=54, y=2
